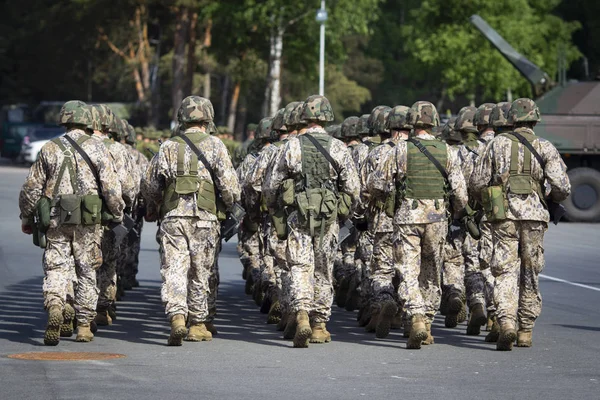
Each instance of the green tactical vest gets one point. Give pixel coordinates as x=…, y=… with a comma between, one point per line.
x=315, y=194
x=423, y=180
x=189, y=183
x=522, y=183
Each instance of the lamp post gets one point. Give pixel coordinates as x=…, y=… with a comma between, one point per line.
x=322, y=18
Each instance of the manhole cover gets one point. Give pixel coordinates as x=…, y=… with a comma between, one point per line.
x=65, y=356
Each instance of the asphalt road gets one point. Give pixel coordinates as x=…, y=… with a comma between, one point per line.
x=248, y=360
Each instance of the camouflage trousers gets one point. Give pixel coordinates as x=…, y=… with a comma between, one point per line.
x=364, y=255
x=418, y=256
x=73, y=248
x=460, y=269
x=277, y=250
x=131, y=252
x=107, y=274
x=383, y=268
x=268, y=274
x=214, y=280
x=517, y=261
x=250, y=252
x=486, y=250
x=188, y=250
x=345, y=264
x=310, y=261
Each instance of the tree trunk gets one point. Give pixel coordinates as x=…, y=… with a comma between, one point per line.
x=240, y=121
x=191, y=56
x=181, y=33
x=273, y=86
x=441, y=100
x=224, y=95
x=206, y=86
x=233, y=107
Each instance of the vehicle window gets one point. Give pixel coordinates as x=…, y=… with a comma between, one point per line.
x=45, y=134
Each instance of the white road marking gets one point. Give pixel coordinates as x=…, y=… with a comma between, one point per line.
x=551, y=278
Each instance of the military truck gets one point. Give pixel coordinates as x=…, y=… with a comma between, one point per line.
x=570, y=120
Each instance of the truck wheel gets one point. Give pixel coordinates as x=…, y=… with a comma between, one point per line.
x=583, y=205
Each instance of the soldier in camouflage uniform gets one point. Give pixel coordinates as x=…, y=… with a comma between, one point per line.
x=188, y=196
x=420, y=222
x=102, y=118
x=509, y=172
x=132, y=246
x=62, y=179
x=314, y=188
x=498, y=121
x=393, y=127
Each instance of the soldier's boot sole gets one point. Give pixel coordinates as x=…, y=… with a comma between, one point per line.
x=506, y=340
x=290, y=327
x=524, y=339
x=385, y=320
x=66, y=329
x=451, y=320
x=52, y=333
x=477, y=320
x=416, y=338
x=274, y=315
x=176, y=336
x=302, y=336
x=84, y=335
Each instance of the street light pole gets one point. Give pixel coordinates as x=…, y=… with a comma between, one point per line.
x=322, y=18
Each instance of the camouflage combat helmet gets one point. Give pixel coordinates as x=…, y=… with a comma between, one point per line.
x=278, y=124
x=264, y=129
x=499, y=115
x=423, y=114
x=195, y=109
x=106, y=116
x=362, y=128
x=371, y=122
x=96, y=120
x=398, y=119
x=482, y=115
x=523, y=110
x=464, y=122
x=287, y=113
x=335, y=131
x=75, y=112
x=349, y=128
x=115, y=128
x=317, y=108
x=380, y=124
x=449, y=135
x=131, y=137
x=296, y=115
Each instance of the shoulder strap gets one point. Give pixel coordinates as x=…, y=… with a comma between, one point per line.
x=323, y=151
x=391, y=144
x=471, y=150
x=532, y=149
x=200, y=156
x=87, y=160
x=482, y=141
x=67, y=164
x=430, y=156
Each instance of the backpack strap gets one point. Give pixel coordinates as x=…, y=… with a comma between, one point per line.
x=67, y=164
x=199, y=155
x=86, y=158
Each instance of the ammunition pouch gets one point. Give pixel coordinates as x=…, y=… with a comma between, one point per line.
x=279, y=219
x=42, y=214
x=70, y=209
x=344, y=206
x=471, y=224
x=494, y=203
x=91, y=213
x=520, y=184
x=288, y=193
x=317, y=208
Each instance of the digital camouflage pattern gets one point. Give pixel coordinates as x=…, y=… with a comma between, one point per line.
x=106, y=116
x=398, y=119
x=288, y=113
x=372, y=120
x=317, y=108
x=523, y=110
x=499, y=115
x=163, y=169
x=380, y=126
x=188, y=251
x=195, y=109
x=310, y=259
x=465, y=122
x=74, y=112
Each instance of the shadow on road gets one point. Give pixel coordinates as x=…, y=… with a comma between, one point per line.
x=581, y=327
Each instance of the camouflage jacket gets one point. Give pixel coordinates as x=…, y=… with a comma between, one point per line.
x=245, y=167
x=494, y=166
x=359, y=154
x=44, y=173
x=288, y=164
x=128, y=173
x=468, y=156
x=392, y=169
x=163, y=170
x=378, y=220
x=139, y=160
x=256, y=176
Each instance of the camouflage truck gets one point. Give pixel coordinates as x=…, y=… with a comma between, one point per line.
x=570, y=120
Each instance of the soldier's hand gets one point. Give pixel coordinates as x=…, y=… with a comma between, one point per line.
x=27, y=229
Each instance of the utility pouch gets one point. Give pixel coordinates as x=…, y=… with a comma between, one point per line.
x=344, y=206
x=92, y=210
x=206, y=196
x=43, y=214
x=288, y=193
x=279, y=219
x=186, y=184
x=106, y=215
x=221, y=209
x=390, y=205
x=494, y=203
x=250, y=226
x=520, y=184
x=70, y=209
x=316, y=207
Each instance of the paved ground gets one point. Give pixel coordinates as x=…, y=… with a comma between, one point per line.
x=249, y=360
